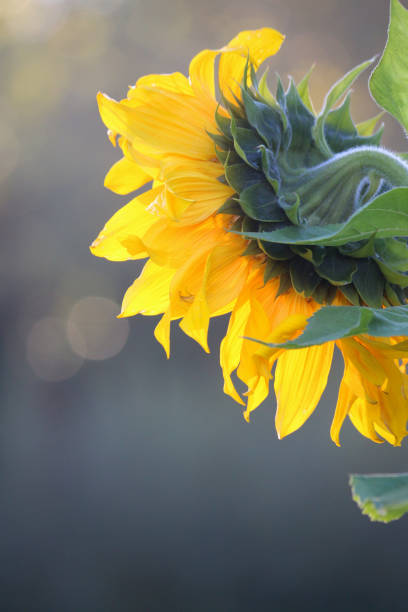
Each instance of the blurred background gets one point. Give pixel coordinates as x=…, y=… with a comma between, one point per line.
x=128, y=482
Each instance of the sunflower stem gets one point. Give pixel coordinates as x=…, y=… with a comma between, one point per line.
x=362, y=172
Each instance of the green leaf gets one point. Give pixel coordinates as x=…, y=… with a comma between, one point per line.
x=314, y=254
x=341, y=133
x=264, y=119
x=230, y=207
x=336, y=322
x=246, y=143
x=284, y=284
x=251, y=249
x=394, y=294
x=281, y=98
x=248, y=224
x=260, y=202
x=264, y=90
x=394, y=252
x=290, y=203
x=336, y=269
x=369, y=283
x=276, y=251
x=387, y=215
x=224, y=124
x=324, y=293
x=303, y=89
x=388, y=83
x=335, y=93
x=351, y=294
x=303, y=276
x=340, y=118
x=270, y=168
x=234, y=110
x=300, y=119
x=363, y=248
x=392, y=275
x=240, y=176
x=366, y=128
x=273, y=269
x=220, y=140
x=383, y=497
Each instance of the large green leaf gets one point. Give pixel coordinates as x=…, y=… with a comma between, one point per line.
x=336, y=322
x=386, y=216
x=389, y=81
x=383, y=497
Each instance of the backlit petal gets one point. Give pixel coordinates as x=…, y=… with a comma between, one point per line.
x=149, y=294
x=255, y=45
x=300, y=379
x=160, y=124
x=121, y=238
x=126, y=176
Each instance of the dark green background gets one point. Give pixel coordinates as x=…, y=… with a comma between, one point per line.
x=136, y=484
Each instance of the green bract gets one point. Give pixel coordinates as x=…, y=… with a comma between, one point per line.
x=319, y=199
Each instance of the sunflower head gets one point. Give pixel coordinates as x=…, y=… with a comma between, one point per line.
x=289, y=167
x=257, y=206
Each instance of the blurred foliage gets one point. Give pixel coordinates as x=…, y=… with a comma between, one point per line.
x=383, y=497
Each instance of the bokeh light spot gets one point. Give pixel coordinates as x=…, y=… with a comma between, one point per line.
x=49, y=353
x=9, y=150
x=93, y=330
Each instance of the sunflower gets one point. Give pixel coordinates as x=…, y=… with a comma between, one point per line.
x=227, y=167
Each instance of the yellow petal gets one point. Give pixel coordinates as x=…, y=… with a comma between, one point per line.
x=258, y=326
x=125, y=176
x=149, y=294
x=385, y=433
x=175, y=206
x=187, y=282
x=344, y=402
x=362, y=414
x=200, y=210
x=195, y=323
x=168, y=123
x=119, y=118
x=392, y=399
x=227, y=273
x=363, y=360
x=168, y=244
x=175, y=82
x=258, y=393
x=201, y=73
x=162, y=333
x=381, y=406
x=195, y=182
x=112, y=137
x=231, y=345
x=300, y=379
x=148, y=163
x=264, y=357
x=257, y=45
x=121, y=238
